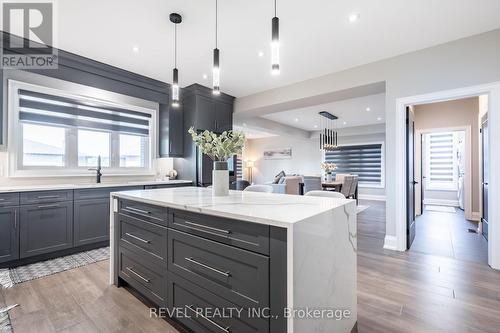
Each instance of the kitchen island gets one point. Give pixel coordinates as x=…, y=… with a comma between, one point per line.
x=248, y=262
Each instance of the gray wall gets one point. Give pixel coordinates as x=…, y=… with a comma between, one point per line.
x=462, y=63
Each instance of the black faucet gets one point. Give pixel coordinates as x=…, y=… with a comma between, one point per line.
x=98, y=170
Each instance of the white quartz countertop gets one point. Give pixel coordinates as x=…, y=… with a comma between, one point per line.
x=266, y=208
x=26, y=188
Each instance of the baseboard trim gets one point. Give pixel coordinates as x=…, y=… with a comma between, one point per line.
x=476, y=216
x=390, y=243
x=371, y=197
x=441, y=202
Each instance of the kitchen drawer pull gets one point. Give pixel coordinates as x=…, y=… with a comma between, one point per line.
x=223, y=329
x=2, y=199
x=137, y=210
x=138, y=275
x=47, y=197
x=138, y=238
x=190, y=259
x=223, y=231
x=48, y=206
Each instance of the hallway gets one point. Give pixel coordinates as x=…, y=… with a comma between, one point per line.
x=446, y=234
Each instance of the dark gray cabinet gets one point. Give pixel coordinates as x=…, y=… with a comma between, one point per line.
x=45, y=228
x=9, y=234
x=91, y=221
x=204, y=111
x=171, y=131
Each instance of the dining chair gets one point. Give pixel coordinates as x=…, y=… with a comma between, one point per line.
x=329, y=194
x=339, y=177
x=259, y=188
x=312, y=183
x=346, y=186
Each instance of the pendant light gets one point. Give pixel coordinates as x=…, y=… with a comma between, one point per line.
x=275, y=43
x=175, y=19
x=216, y=69
x=328, y=137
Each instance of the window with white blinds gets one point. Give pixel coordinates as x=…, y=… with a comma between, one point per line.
x=62, y=133
x=366, y=161
x=441, y=161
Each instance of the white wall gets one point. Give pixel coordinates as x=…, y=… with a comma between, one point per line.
x=466, y=62
x=306, y=156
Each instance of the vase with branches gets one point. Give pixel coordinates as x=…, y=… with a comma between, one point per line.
x=219, y=147
x=328, y=168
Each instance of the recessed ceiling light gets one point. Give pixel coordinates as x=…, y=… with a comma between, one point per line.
x=135, y=48
x=315, y=126
x=368, y=109
x=379, y=118
x=261, y=54
x=296, y=119
x=205, y=76
x=354, y=17
x=345, y=123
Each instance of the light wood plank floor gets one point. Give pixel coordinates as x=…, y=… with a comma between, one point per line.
x=397, y=292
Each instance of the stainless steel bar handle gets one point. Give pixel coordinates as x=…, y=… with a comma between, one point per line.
x=47, y=196
x=223, y=329
x=138, y=275
x=138, y=238
x=15, y=218
x=190, y=259
x=207, y=227
x=137, y=210
x=2, y=199
x=48, y=206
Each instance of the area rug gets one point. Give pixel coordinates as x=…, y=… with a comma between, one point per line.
x=11, y=276
x=361, y=208
x=443, y=209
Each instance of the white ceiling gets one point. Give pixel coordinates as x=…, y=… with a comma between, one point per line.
x=316, y=37
x=351, y=112
x=252, y=133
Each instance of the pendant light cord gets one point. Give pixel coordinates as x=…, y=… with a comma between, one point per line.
x=216, y=22
x=175, y=45
x=274, y=8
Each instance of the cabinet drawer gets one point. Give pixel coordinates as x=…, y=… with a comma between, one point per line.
x=199, y=308
x=9, y=199
x=144, y=238
x=28, y=198
x=249, y=236
x=150, y=283
x=237, y=275
x=143, y=211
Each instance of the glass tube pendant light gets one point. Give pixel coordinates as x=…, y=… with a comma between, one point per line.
x=175, y=19
x=216, y=68
x=275, y=43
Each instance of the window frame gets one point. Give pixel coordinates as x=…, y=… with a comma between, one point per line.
x=71, y=168
x=380, y=185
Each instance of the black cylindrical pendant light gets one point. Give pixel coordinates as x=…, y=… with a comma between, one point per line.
x=275, y=43
x=216, y=68
x=175, y=19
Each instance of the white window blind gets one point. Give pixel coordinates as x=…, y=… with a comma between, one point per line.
x=441, y=161
x=366, y=161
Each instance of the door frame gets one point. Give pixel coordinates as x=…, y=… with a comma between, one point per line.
x=399, y=117
x=468, y=164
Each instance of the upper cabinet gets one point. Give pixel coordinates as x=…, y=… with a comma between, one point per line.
x=171, y=131
x=205, y=111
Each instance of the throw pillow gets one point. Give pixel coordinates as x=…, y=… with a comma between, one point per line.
x=278, y=177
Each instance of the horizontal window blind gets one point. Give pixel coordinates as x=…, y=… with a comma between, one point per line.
x=362, y=160
x=441, y=158
x=35, y=107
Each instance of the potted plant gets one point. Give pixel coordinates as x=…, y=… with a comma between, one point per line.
x=328, y=168
x=219, y=147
